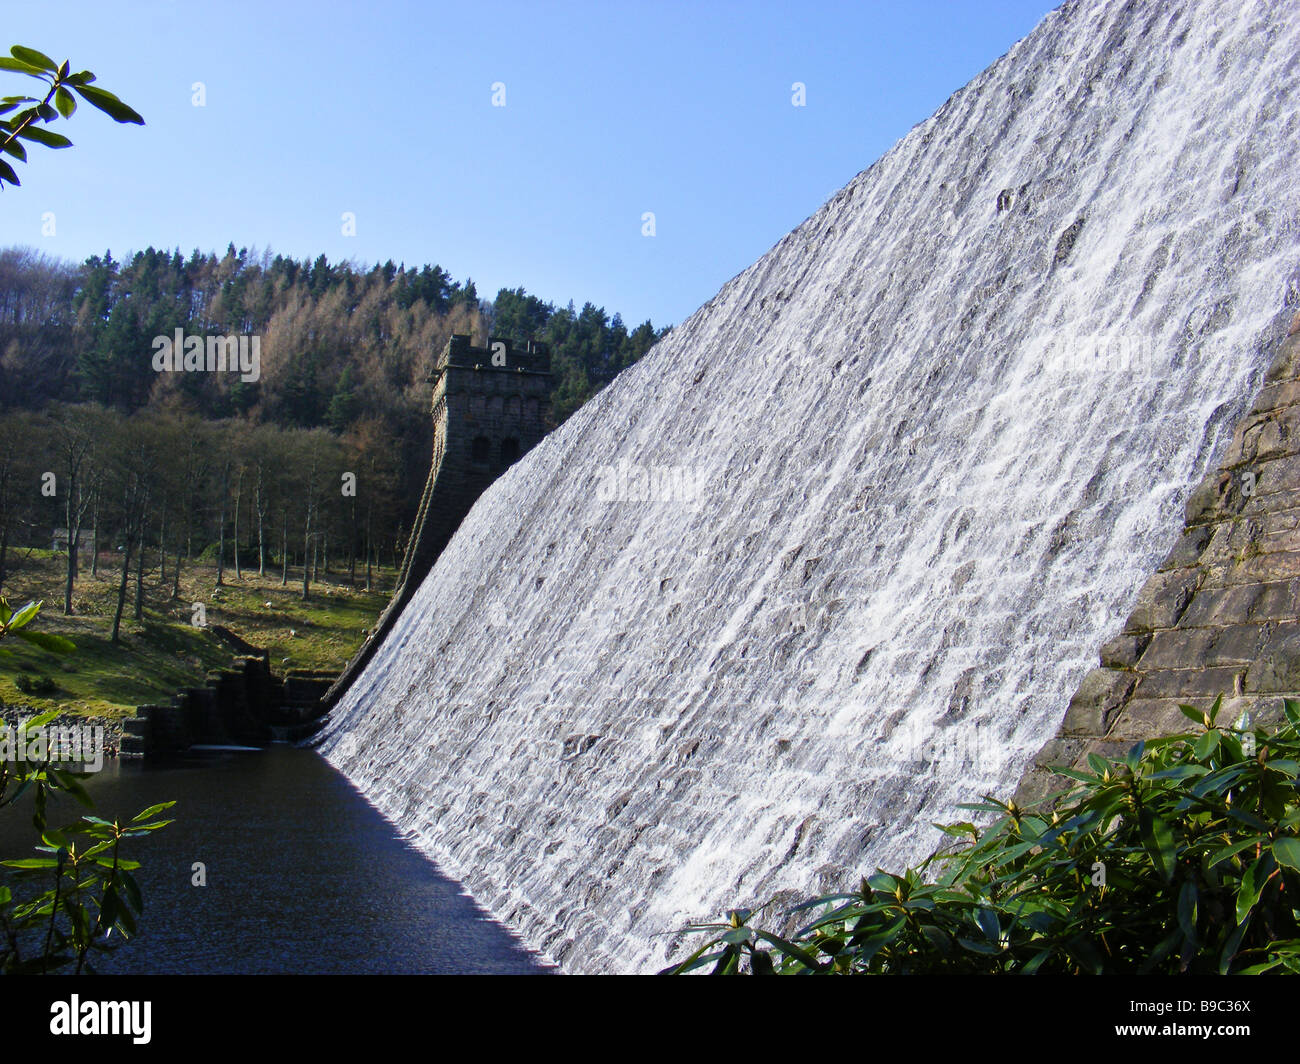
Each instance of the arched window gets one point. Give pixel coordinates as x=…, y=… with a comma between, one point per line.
x=480, y=450
x=509, y=452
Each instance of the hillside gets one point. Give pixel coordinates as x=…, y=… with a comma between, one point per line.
x=165, y=651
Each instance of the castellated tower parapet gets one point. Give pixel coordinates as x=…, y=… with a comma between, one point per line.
x=490, y=406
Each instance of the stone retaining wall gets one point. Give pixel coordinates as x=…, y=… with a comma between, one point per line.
x=1221, y=615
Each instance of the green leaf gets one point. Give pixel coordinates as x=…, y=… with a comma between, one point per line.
x=1187, y=898
x=40, y=720
x=1206, y=745
x=151, y=811
x=46, y=137
x=31, y=862
x=790, y=949
x=132, y=889
x=1193, y=714
x=108, y=103
x=1035, y=962
x=883, y=882
x=985, y=948
x=1287, y=852
x=32, y=57
x=109, y=908
x=15, y=148
x=1158, y=841
x=7, y=173
x=1230, y=947
x=18, y=67
x=72, y=785
x=65, y=102
x=25, y=615
x=1252, y=885
x=1236, y=848
x=126, y=921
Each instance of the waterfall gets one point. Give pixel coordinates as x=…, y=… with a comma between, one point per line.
x=832, y=558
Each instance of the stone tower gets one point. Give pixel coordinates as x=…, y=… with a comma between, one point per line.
x=491, y=405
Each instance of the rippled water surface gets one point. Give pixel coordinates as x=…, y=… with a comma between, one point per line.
x=302, y=876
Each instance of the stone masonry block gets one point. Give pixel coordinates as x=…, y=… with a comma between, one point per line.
x=1093, y=706
x=1163, y=600
x=1278, y=669
x=1123, y=651
x=1178, y=648
x=1190, y=683
x=1187, y=551
x=1149, y=718
x=1220, y=607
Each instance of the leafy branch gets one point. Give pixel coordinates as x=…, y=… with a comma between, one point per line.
x=93, y=894
x=1181, y=857
x=57, y=100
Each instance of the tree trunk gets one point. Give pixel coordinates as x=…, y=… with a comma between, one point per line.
x=72, y=576
x=94, y=542
x=352, y=547
x=139, y=576
x=261, y=540
x=239, y=493
x=306, y=556
x=121, y=587
x=369, y=544
x=73, y=535
x=162, y=547
x=284, y=550
x=221, y=536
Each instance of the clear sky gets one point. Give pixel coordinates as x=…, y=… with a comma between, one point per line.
x=385, y=109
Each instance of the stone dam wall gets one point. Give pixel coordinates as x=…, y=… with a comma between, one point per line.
x=1220, y=616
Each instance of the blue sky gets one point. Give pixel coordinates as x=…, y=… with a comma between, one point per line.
x=385, y=110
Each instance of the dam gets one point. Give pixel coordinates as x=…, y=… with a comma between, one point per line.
x=944, y=433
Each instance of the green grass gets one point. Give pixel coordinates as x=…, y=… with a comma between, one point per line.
x=165, y=652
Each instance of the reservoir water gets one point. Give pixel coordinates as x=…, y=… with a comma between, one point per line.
x=303, y=876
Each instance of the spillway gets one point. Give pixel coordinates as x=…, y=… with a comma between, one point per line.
x=832, y=558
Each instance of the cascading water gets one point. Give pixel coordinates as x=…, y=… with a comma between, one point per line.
x=933, y=442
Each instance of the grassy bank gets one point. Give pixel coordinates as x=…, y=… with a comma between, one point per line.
x=165, y=651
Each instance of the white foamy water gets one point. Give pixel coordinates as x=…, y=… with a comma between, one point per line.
x=933, y=461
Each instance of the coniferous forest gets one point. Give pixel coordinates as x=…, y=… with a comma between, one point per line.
x=237, y=470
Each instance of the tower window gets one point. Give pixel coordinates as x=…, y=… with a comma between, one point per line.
x=509, y=452
x=480, y=450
